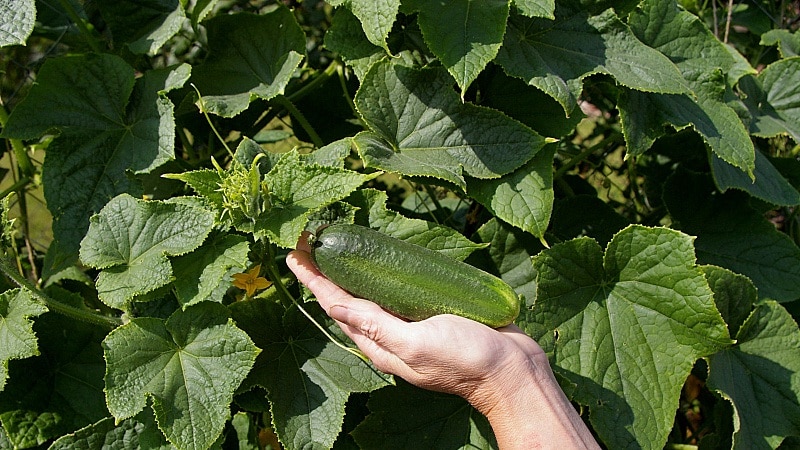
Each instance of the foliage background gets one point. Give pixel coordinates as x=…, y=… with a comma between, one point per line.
x=630, y=167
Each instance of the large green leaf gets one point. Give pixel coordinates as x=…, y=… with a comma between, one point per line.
x=555, y=56
x=66, y=392
x=464, y=34
x=733, y=235
x=773, y=99
x=17, y=339
x=709, y=68
x=298, y=189
x=523, y=198
x=250, y=56
x=405, y=416
x=626, y=327
x=308, y=378
x=143, y=25
x=130, y=240
x=110, y=125
x=189, y=367
x=372, y=212
x=420, y=127
x=17, y=18
x=760, y=375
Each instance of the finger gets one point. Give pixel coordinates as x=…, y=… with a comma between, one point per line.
x=302, y=243
x=326, y=292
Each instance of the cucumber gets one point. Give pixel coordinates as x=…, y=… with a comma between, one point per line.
x=408, y=280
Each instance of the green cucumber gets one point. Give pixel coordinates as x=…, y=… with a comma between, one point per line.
x=408, y=280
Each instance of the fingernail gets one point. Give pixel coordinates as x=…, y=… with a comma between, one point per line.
x=339, y=312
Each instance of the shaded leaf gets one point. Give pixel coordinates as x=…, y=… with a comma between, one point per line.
x=769, y=184
x=788, y=43
x=250, y=56
x=189, y=367
x=130, y=240
x=760, y=375
x=731, y=234
x=376, y=17
x=308, y=378
x=626, y=327
x=405, y=417
x=143, y=25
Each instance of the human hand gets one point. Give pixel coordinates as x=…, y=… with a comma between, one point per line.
x=502, y=372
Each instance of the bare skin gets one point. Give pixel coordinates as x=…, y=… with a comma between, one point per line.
x=502, y=372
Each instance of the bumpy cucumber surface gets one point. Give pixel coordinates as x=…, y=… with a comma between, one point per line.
x=409, y=280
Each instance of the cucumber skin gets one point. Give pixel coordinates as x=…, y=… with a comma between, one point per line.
x=411, y=281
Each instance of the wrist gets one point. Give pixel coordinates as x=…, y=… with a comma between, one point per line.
x=527, y=409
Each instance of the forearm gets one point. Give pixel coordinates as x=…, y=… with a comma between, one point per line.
x=532, y=412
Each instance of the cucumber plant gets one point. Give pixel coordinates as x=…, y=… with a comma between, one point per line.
x=628, y=168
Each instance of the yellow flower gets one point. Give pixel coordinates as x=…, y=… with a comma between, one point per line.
x=250, y=282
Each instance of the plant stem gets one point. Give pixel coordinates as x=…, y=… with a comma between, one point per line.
x=55, y=306
x=79, y=22
x=20, y=152
x=300, y=118
x=316, y=82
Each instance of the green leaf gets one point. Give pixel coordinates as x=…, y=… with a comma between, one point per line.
x=626, y=327
x=788, y=43
x=189, y=366
x=731, y=234
x=143, y=25
x=346, y=37
x=125, y=436
x=708, y=67
x=110, y=125
x=204, y=274
x=17, y=18
x=734, y=295
x=130, y=240
x=298, y=189
x=66, y=392
x=760, y=375
x=769, y=184
x=536, y=8
x=372, y=212
x=376, y=16
x=464, y=34
x=250, y=56
x=523, y=198
x=17, y=339
x=509, y=256
x=308, y=378
x=773, y=98
x=420, y=127
x=405, y=417
x=534, y=50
